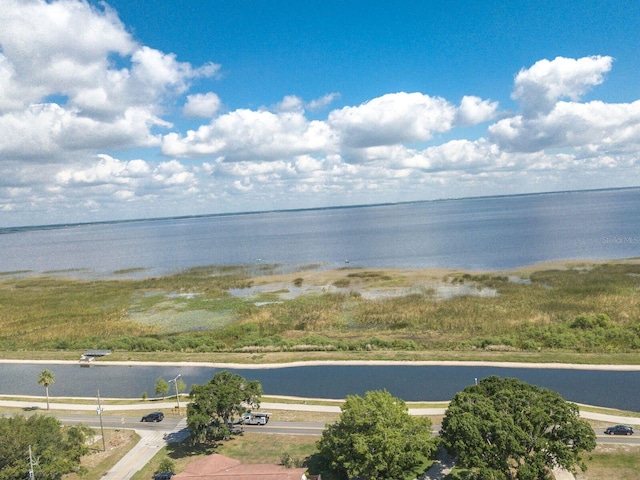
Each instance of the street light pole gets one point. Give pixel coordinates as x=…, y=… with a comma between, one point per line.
x=175, y=382
x=99, y=409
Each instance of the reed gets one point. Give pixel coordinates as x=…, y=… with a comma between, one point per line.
x=193, y=311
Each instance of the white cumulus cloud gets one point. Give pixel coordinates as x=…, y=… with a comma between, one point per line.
x=247, y=134
x=539, y=87
x=61, y=90
x=202, y=105
x=391, y=119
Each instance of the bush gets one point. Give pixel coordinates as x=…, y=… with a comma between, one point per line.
x=166, y=465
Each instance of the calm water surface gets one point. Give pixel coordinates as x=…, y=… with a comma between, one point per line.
x=479, y=233
x=615, y=389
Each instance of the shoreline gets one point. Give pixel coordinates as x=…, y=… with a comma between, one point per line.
x=320, y=363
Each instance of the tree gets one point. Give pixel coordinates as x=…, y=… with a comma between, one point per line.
x=46, y=379
x=162, y=387
x=180, y=385
x=507, y=429
x=217, y=401
x=55, y=450
x=376, y=438
x=166, y=465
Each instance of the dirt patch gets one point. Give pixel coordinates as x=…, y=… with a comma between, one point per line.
x=369, y=284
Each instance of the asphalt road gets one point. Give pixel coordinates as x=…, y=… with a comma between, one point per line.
x=170, y=424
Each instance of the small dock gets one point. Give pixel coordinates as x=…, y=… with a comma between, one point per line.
x=91, y=355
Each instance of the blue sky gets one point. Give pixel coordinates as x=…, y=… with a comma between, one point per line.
x=155, y=108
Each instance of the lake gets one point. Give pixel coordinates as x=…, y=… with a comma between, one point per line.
x=488, y=233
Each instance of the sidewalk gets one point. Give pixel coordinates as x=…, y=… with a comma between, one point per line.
x=150, y=443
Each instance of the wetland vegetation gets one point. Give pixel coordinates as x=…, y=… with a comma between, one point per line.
x=570, y=308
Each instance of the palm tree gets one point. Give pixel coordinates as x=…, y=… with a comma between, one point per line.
x=46, y=378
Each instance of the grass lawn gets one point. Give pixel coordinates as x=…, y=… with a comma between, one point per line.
x=248, y=448
x=612, y=462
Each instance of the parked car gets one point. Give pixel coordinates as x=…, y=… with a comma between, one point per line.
x=163, y=476
x=153, y=417
x=619, y=430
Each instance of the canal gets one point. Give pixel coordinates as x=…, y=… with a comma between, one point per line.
x=607, y=388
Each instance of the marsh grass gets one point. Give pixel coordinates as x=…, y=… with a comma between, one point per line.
x=194, y=312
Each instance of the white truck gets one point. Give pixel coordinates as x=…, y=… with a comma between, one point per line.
x=255, y=418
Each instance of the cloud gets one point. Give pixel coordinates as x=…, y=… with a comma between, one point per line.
x=548, y=123
x=392, y=119
x=322, y=102
x=131, y=179
x=473, y=110
x=97, y=88
x=71, y=106
x=48, y=132
x=596, y=125
x=45, y=59
x=538, y=88
x=247, y=134
x=202, y=105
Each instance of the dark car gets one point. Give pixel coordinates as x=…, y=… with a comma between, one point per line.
x=153, y=417
x=163, y=476
x=619, y=430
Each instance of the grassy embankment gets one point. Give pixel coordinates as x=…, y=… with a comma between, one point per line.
x=585, y=313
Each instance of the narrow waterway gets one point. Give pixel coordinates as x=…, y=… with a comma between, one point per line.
x=607, y=388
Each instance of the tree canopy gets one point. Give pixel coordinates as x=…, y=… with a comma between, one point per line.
x=217, y=401
x=507, y=429
x=55, y=450
x=376, y=438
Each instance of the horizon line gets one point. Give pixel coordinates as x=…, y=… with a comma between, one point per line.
x=13, y=229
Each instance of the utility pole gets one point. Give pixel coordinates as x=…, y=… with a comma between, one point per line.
x=31, y=474
x=104, y=445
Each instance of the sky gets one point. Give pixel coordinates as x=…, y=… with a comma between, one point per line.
x=156, y=108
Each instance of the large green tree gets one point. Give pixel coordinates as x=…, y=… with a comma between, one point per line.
x=216, y=402
x=504, y=428
x=55, y=450
x=46, y=379
x=377, y=438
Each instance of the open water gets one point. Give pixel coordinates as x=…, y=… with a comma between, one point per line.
x=488, y=233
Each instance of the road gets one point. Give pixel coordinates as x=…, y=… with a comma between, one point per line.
x=170, y=424
x=155, y=435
